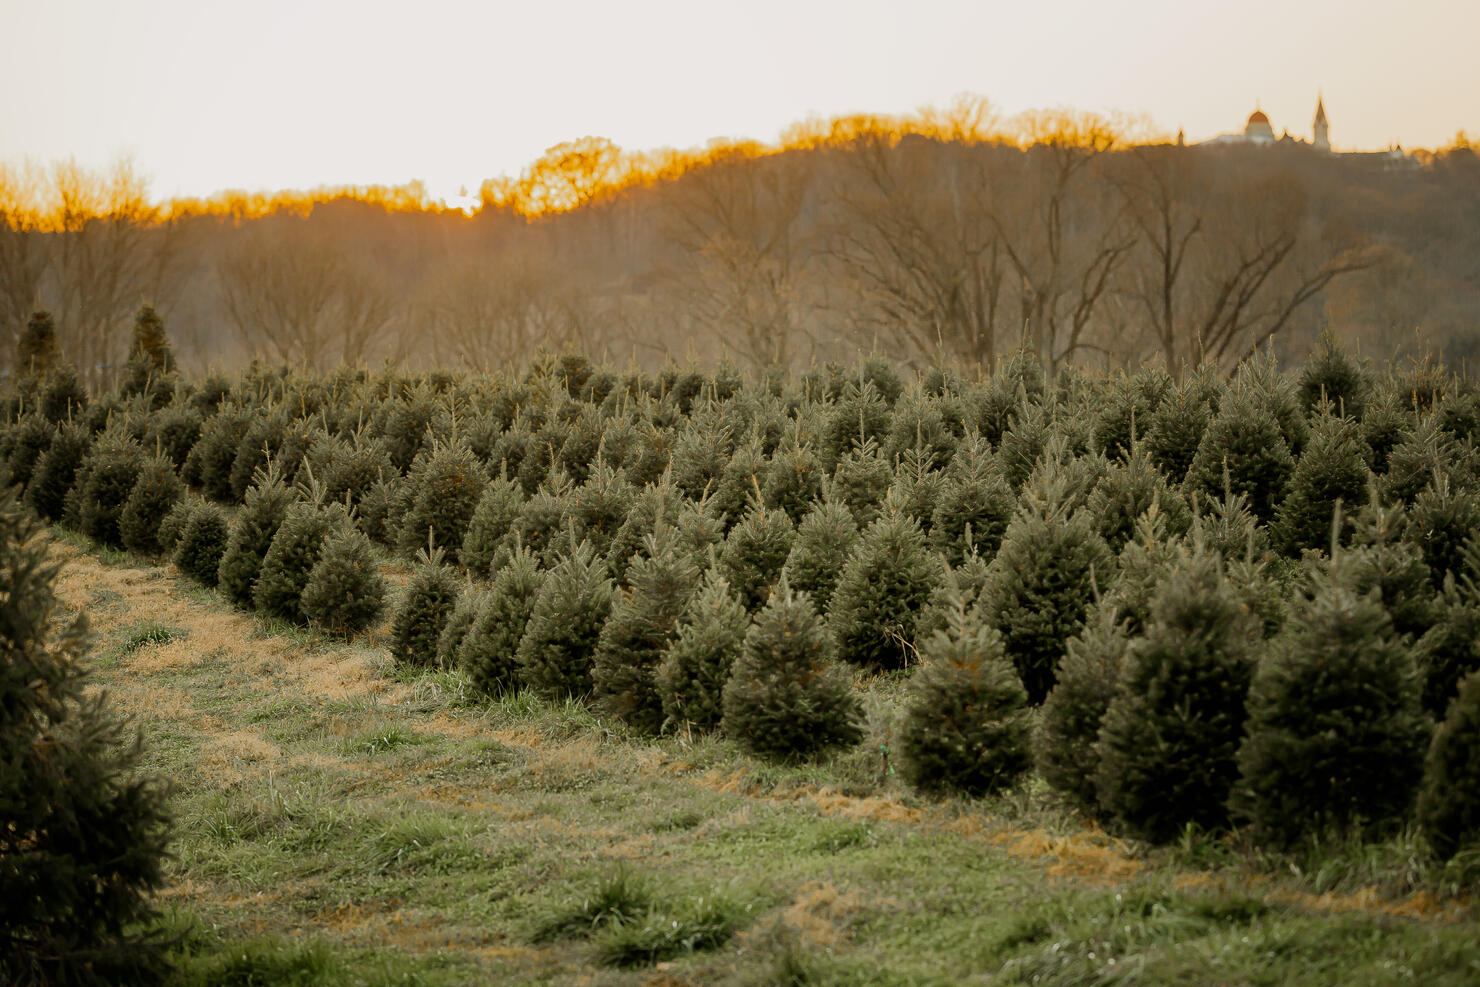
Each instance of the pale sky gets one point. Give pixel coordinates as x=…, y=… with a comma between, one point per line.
x=212, y=94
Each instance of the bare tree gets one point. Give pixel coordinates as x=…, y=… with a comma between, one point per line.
x=23, y=257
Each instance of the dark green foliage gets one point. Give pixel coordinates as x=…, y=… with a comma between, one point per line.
x=1127, y=490
x=787, y=698
x=560, y=639
x=209, y=464
x=446, y=486
x=1023, y=443
x=61, y=395
x=792, y=481
x=1330, y=376
x=637, y=635
x=1227, y=526
x=488, y=651
x=1332, y=469
x=173, y=431
x=599, y=507
x=423, y=611
x=104, y=481
x=344, y=594
x=290, y=558
x=1066, y=743
x=383, y=507
x=926, y=426
x=36, y=349
x=1039, y=587
x=406, y=428
x=1442, y=517
x=1387, y=566
x=754, y=553
x=1124, y=416
x=155, y=493
x=174, y=523
x=1175, y=429
x=252, y=532
x=1415, y=461
x=917, y=489
x=150, y=368
x=211, y=394
x=1449, y=799
x=1335, y=736
x=492, y=521
x=1385, y=423
x=974, y=507
x=27, y=442
x=698, y=459
x=56, y=471
x=350, y=469
x=881, y=593
x=861, y=415
x=861, y=480
x=82, y=834
x=825, y=539
x=263, y=440
x=1260, y=377
x=202, y=540
x=966, y=727
x=1169, y=742
x=708, y=639
x=648, y=506
x=1244, y=450
x=1449, y=650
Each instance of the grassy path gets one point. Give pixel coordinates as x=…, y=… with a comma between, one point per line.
x=338, y=822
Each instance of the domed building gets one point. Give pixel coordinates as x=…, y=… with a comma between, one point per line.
x=1258, y=128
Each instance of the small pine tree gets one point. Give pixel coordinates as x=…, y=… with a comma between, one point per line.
x=211, y=458
x=792, y=480
x=1175, y=428
x=36, y=349
x=1449, y=798
x=974, y=507
x=104, y=481
x=825, y=538
x=1441, y=519
x=754, y=554
x=252, y=532
x=151, y=361
x=61, y=395
x=1065, y=745
x=1330, y=376
x=1335, y=736
x=456, y=630
x=883, y=589
x=637, y=635
x=56, y=471
x=423, y=611
x=27, y=442
x=202, y=540
x=1169, y=739
x=1331, y=470
x=174, y=523
x=173, y=430
x=787, y=698
x=560, y=639
x=707, y=641
x=1127, y=490
x=1244, y=449
x=1449, y=650
x=290, y=559
x=344, y=594
x=155, y=493
x=83, y=834
x=966, y=727
x=861, y=481
x=488, y=652
x=599, y=507
x=493, y=519
x=446, y=487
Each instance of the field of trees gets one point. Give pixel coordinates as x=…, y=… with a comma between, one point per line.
x=859, y=674
x=940, y=238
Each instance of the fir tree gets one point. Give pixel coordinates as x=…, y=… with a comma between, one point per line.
x=458, y=626
x=446, y=487
x=61, y=395
x=155, y=493
x=151, y=362
x=36, y=349
x=56, y=471
x=488, y=652
x=881, y=593
x=1443, y=516
x=252, y=532
x=1330, y=376
x=792, y=480
x=974, y=507
x=560, y=639
x=344, y=594
x=202, y=540
x=1449, y=650
x=423, y=611
x=1331, y=470
x=104, y=481
x=27, y=442
x=1335, y=737
x=1422, y=454
x=966, y=727
x=598, y=508
x=754, y=553
x=1169, y=739
x=861, y=480
x=825, y=539
x=692, y=675
x=83, y=834
x=637, y=635
x=1385, y=423
x=1130, y=486
x=1065, y=745
x=173, y=431
x=860, y=416
x=211, y=458
x=1449, y=798
x=1243, y=448
x=174, y=523
x=493, y=519
x=290, y=559
x=787, y=698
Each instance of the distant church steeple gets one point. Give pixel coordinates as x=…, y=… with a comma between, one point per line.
x=1322, y=134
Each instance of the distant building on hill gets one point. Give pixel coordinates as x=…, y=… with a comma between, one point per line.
x=1259, y=132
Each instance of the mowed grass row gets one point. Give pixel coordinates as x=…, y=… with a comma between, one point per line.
x=341, y=822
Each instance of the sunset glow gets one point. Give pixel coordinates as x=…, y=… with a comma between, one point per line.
x=281, y=95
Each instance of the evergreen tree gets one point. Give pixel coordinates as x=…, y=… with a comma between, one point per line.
x=458, y=626
x=707, y=641
x=345, y=593
x=423, y=611
x=488, y=652
x=36, y=349
x=881, y=593
x=173, y=431
x=1449, y=650
x=1127, y=490
x=1023, y=444
x=825, y=539
x=599, y=507
x=637, y=635
x=202, y=540
x=1449, y=798
x=1039, y=586
x=1422, y=454
x=252, y=532
x=754, y=553
x=1243, y=448
x=1330, y=376
x=56, y=470
x=861, y=415
x=1385, y=423
x=209, y=464
x=1335, y=736
x=290, y=559
x=861, y=480
x=483, y=548
x=1065, y=745
x=974, y=507
x=1170, y=737
x=104, y=481
x=966, y=727
x=446, y=487
x=83, y=834
x=174, y=523
x=26, y=443
x=1443, y=516
x=560, y=639
x=156, y=491
x=792, y=480
x=1331, y=470
x=61, y=395
x=151, y=362
x=787, y=698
